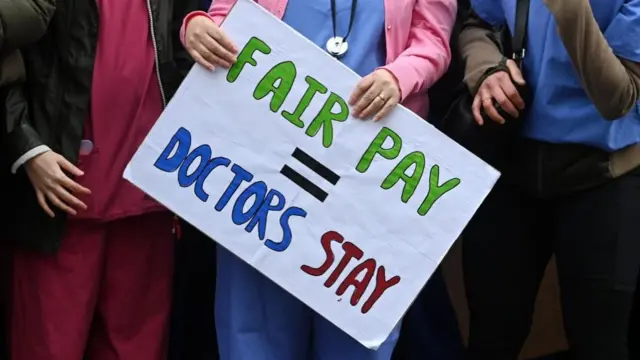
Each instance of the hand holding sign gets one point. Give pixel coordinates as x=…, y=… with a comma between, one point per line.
x=376, y=94
x=208, y=45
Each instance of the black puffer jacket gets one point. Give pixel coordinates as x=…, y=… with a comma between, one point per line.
x=60, y=70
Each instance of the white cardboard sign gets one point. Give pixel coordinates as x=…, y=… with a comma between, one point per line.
x=352, y=217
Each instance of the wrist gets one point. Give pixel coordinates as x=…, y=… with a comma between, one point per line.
x=187, y=19
x=195, y=14
x=25, y=159
x=501, y=66
x=395, y=80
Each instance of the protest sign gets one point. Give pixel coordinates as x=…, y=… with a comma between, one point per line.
x=350, y=216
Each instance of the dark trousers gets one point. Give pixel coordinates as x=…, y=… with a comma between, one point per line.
x=634, y=327
x=595, y=235
x=430, y=328
x=193, y=331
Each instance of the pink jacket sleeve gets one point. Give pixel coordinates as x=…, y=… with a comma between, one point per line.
x=427, y=54
x=217, y=12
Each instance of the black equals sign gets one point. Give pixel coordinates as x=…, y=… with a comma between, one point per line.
x=305, y=183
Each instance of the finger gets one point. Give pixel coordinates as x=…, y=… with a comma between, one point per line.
x=68, y=166
x=362, y=87
x=69, y=199
x=212, y=58
x=200, y=60
x=366, y=99
x=512, y=94
x=475, y=107
x=504, y=101
x=216, y=49
x=373, y=108
x=490, y=110
x=222, y=39
x=74, y=186
x=59, y=204
x=386, y=109
x=43, y=204
x=515, y=72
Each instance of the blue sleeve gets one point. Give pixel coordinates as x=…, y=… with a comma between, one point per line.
x=623, y=34
x=490, y=11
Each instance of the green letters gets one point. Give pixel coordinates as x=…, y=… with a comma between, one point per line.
x=436, y=191
x=376, y=148
x=246, y=57
x=400, y=172
x=314, y=87
x=326, y=116
x=387, y=144
x=279, y=80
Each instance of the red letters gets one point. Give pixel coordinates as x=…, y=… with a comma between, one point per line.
x=351, y=251
x=325, y=241
x=364, y=270
x=359, y=286
x=382, y=284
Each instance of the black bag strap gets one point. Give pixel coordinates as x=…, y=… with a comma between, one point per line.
x=519, y=38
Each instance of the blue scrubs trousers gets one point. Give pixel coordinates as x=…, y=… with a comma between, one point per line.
x=258, y=320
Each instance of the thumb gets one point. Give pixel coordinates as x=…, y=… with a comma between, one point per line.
x=515, y=72
x=68, y=166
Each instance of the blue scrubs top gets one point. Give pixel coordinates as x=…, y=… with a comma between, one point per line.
x=312, y=19
x=561, y=111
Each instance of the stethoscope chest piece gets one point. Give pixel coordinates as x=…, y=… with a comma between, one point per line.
x=337, y=46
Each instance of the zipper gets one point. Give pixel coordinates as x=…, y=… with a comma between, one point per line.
x=175, y=229
x=155, y=53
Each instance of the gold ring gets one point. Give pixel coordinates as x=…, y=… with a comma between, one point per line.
x=381, y=96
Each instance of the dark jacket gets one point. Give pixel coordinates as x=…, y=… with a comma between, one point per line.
x=58, y=89
x=22, y=22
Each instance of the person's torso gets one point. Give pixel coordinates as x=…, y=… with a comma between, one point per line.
x=60, y=68
x=126, y=101
x=365, y=35
x=560, y=110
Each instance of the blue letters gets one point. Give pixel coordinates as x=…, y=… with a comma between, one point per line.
x=204, y=153
x=182, y=138
x=286, y=229
x=260, y=218
x=257, y=189
x=214, y=163
x=177, y=155
x=241, y=175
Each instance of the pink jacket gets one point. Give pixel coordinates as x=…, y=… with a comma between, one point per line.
x=417, y=41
